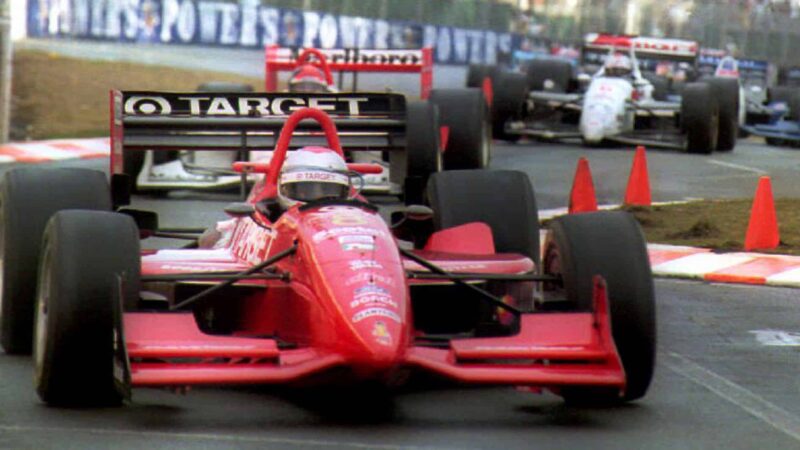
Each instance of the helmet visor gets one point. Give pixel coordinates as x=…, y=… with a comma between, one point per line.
x=308, y=85
x=307, y=186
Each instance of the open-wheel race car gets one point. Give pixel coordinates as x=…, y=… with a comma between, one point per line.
x=325, y=289
x=461, y=115
x=635, y=106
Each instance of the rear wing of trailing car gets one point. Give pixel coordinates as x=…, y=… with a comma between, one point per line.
x=648, y=49
x=354, y=60
x=249, y=121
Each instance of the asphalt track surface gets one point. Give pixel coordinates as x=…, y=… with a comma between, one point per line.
x=716, y=386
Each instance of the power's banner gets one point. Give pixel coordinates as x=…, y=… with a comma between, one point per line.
x=248, y=23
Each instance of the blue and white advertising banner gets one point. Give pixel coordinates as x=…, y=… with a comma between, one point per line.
x=250, y=24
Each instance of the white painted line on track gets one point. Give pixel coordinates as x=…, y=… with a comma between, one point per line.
x=767, y=412
x=777, y=338
x=699, y=264
x=282, y=442
x=754, y=170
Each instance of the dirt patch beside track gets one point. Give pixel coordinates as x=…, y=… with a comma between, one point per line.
x=55, y=96
x=716, y=224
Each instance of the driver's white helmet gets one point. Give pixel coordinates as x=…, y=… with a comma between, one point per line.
x=312, y=173
x=618, y=65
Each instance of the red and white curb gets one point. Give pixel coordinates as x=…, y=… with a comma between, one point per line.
x=735, y=267
x=54, y=150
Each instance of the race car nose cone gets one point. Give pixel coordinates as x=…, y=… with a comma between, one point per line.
x=593, y=132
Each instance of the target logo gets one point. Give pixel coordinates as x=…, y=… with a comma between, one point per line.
x=142, y=105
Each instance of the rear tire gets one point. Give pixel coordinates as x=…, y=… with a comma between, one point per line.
x=510, y=97
x=699, y=118
x=609, y=244
x=423, y=155
x=478, y=72
x=462, y=196
x=28, y=198
x=539, y=71
x=726, y=92
x=465, y=112
x=74, y=350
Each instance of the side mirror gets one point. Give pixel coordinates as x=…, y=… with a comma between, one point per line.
x=146, y=221
x=240, y=209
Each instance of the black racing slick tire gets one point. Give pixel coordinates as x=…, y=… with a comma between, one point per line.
x=29, y=196
x=660, y=86
x=609, y=244
x=556, y=71
x=479, y=72
x=509, y=102
x=463, y=196
x=726, y=91
x=423, y=154
x=466, y=114
x=699, y=118
x=78, y=335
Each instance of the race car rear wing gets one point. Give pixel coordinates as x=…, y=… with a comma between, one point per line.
x=354, y=60
x=249, y=121
x=596, y=47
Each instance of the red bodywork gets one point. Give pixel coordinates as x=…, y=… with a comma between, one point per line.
x=351, y=60
x=346, y=304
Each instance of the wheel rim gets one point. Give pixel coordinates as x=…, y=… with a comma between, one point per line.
x=40, y=327
x=552, y=266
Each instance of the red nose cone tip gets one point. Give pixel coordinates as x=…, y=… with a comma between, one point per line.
x=382, y=347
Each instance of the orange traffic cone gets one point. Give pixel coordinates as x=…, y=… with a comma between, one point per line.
x=762, y=232
x=638, y=190
x=582, y=197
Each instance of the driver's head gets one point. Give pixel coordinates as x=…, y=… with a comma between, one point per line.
x=308, y=78
x=618, y=65
x=312, y=173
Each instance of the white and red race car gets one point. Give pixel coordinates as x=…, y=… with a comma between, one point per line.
x=548, y=102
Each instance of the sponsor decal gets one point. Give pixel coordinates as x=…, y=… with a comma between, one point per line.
x=370, y=289
x=267, y=105
x=251, y=242
x=381, y=333
x=361, y=264
x=355, y=230
x=369, y=277
x=375, y=312
x=358, y=238
x=328, y=177
x=373, y=299
x=358, y=246
x=342, y=219
x=252, y=24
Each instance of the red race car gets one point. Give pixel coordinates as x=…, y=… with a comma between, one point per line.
x=322, y=289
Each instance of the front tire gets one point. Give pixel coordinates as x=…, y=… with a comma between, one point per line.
x=610, y=244
x=29, y=196
x=76, y=310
